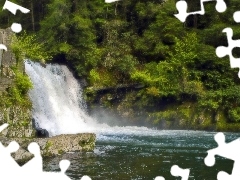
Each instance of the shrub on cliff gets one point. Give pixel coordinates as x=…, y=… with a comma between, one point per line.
x=25, y=46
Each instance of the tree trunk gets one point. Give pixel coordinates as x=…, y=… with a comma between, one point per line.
x=32, y=13
x=116, y=8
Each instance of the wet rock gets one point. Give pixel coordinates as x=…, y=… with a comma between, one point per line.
x=52, y=146
x=67, y=143
x=19, y=132
x=22, y=156
x=42, y=133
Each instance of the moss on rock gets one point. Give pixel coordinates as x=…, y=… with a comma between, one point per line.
x=52, y=146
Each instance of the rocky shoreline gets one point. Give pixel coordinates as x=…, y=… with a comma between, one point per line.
x=52, y=146
x=21, y=126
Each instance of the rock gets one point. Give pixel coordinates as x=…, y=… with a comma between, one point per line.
x=83, y=82
x=41, y=133
x=67, y=143
x=7, y=58
x=19, y=120
x=52, y=146
x=19, y=132
x=22, y=156
x=43, y=64
x=17, y=115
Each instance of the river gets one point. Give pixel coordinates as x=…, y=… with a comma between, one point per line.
x=141, y=153
x=121, y=153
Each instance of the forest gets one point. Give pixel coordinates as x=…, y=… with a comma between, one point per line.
x=140, y=42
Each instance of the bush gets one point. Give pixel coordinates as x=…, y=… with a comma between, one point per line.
x=27, y=47
x=17, y=93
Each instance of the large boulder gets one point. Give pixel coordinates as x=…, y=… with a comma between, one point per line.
x=52, y=146
x=66, y=143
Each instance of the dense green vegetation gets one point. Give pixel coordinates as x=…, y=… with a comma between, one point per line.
x=140, y=41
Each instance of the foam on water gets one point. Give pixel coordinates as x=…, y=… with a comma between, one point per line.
x=58, y=107
x=57, y=100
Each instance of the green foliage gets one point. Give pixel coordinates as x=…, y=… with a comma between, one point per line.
x=48, y=145
x=169, y=115
x=175, y=75
x=25, y=123
x=67, y=29
x=22, y=83
x=17, y=93
x=26, y=47
x=211, y=100
x=94, y=76
x=100, y=78
x=234, y=114
x=138, y=41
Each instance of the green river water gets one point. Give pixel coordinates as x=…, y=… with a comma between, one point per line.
x=121, y=153
x=135, y=153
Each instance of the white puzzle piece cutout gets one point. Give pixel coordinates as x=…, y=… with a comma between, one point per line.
x=86, y=178
x=182, y=9
x=177, y=172
x=2, y=46
x=159, y=178
x=236, y=16
x=111, y=1
x=227, y=150
x=64, y=164
x=16, y=27
x=12, y=7
x=5, y=156
x=222, y=51
x=3, y=126
x=35, y=164
x=33, y=169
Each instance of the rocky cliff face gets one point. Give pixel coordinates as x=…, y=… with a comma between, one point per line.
x=124, y=106
x=15, y=105
x=19, y=117
x=7, y=60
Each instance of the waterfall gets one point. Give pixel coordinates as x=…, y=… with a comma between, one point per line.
x=57, y=100
x=58, y=105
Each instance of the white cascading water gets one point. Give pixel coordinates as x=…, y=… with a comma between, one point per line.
x=59, y=108
x=57, y=100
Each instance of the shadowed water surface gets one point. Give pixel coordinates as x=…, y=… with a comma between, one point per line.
x=133, y=153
